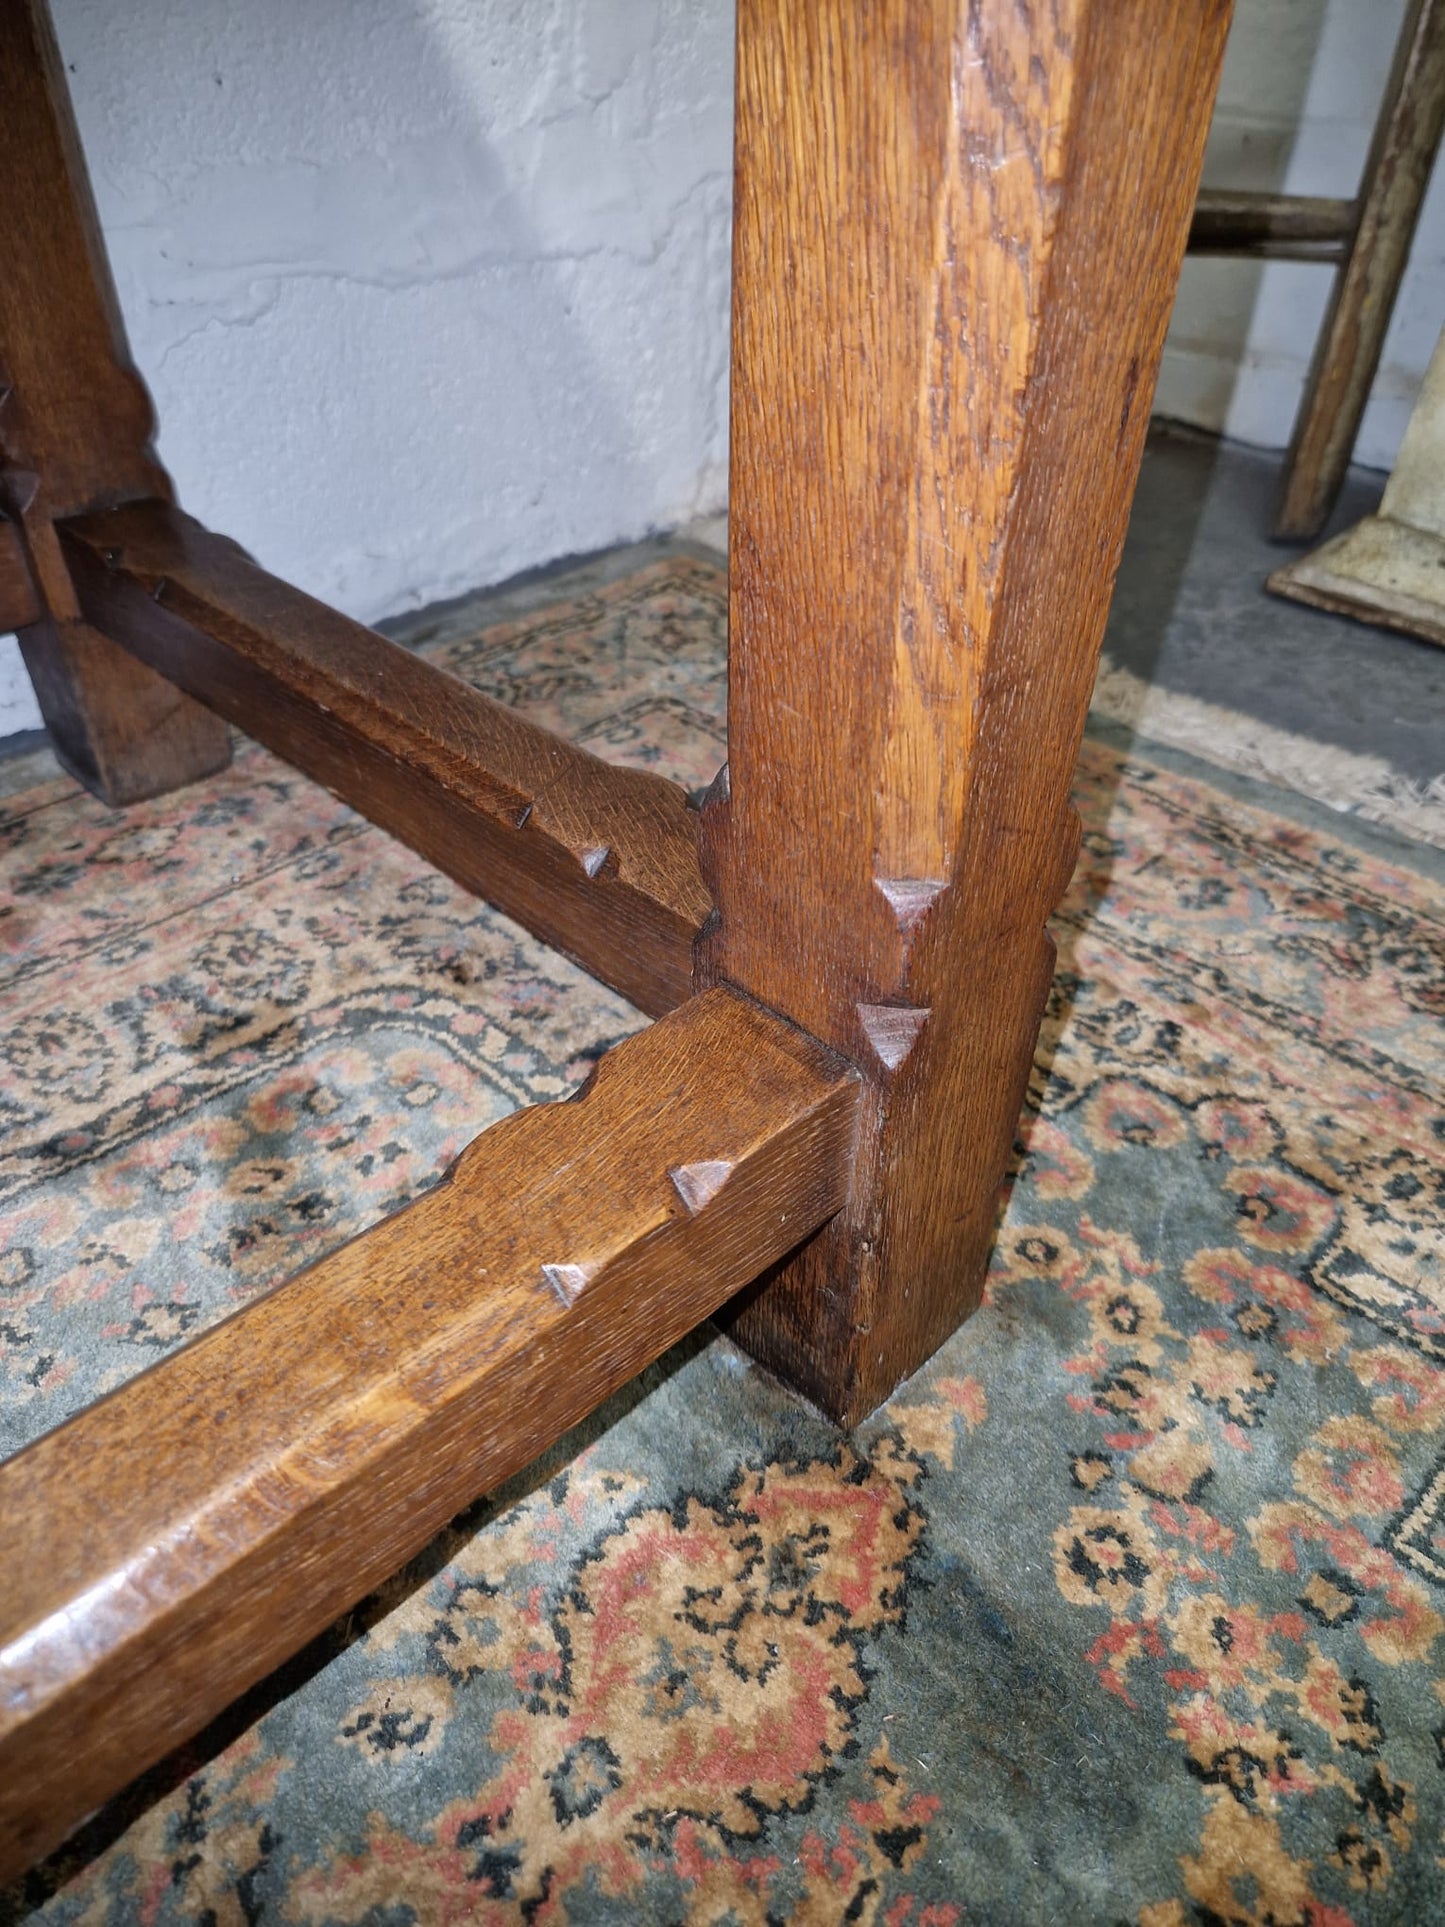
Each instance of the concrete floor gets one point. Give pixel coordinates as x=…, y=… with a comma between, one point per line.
x=1190, y=616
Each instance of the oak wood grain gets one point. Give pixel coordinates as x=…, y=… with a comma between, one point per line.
x=172, y=1543
x=75, y=433
x=957, y=232
x=599, y=861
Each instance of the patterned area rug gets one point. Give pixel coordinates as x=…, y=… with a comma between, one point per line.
x=1128, y=1607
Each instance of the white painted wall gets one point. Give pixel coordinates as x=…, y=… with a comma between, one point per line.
x=430, y=291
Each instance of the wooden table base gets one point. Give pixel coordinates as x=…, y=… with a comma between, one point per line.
x=958, y=228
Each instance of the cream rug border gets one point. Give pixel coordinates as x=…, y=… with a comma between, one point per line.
x=1342, y=779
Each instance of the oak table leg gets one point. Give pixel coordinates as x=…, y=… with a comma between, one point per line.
x=957, y=235
x=75, y=430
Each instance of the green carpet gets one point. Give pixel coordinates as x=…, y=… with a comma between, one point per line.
x=1127, y=1608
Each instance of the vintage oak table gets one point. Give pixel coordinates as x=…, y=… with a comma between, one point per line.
x=958, y=225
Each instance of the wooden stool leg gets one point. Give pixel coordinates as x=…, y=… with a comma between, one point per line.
x=75, y=429
x=1352, y=335
x=957, y=234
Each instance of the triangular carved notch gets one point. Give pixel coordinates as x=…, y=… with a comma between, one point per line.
x=909, y=898
x=569, y=1281
x=698, y=1184
x=21, y=487
x=594, y=858
x=892, y=1030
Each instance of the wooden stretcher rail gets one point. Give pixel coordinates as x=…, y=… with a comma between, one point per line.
x=1275, y=227
x=599, y=862
x=174, y=1542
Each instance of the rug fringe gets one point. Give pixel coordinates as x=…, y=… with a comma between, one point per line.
x=1355, y=785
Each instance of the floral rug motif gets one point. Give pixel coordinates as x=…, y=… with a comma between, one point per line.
x=1129, y=1607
